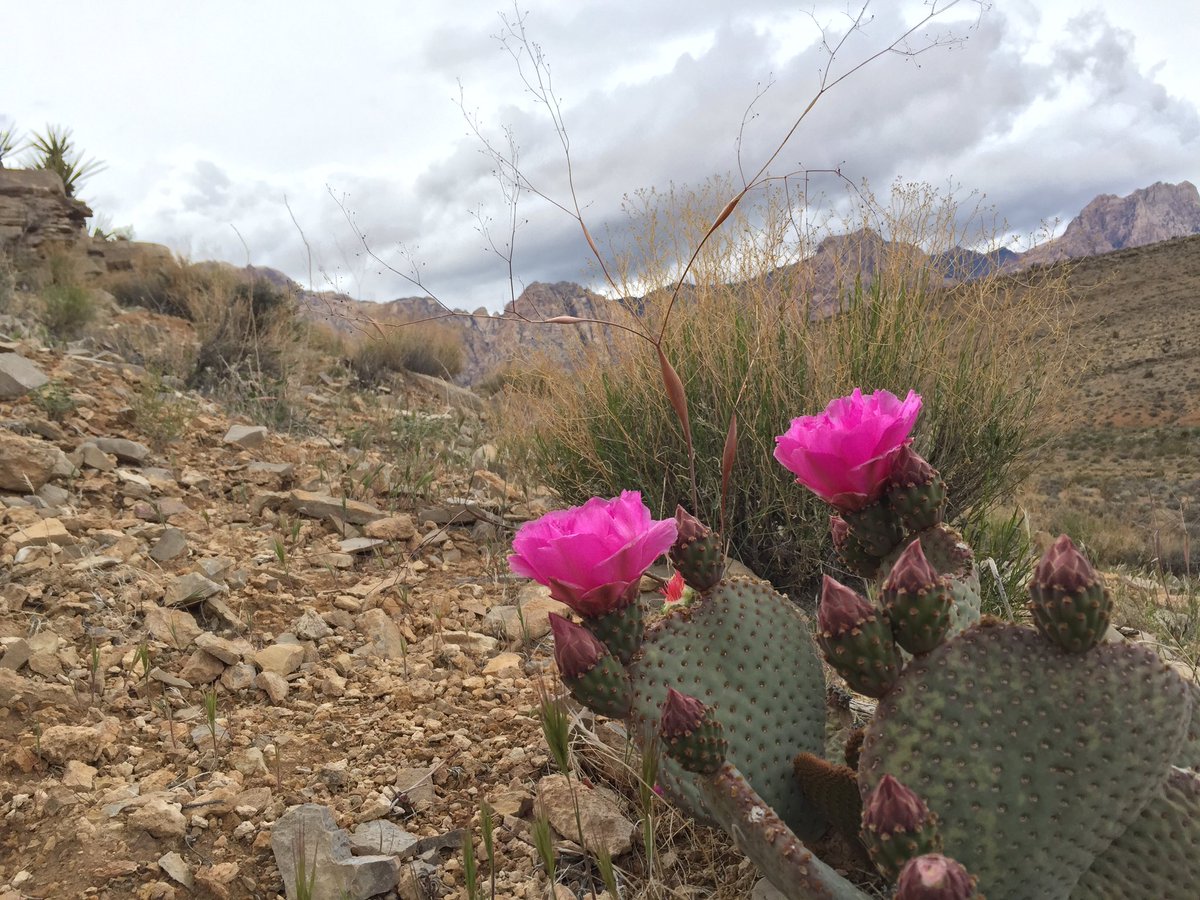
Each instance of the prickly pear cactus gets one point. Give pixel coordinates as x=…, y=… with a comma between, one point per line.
x=1034, y=759
x=747, y=652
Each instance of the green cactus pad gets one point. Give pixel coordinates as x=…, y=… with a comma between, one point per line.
x=919, y=506
x=1189, y=754
x=748, y=652
x=701, y=562
x=876, y=528
x=1076, y=622
x=866, y=657
x=1158, y=856
x=920, y=619
x=1033, y=759
x=605, y=688
x=620, y=630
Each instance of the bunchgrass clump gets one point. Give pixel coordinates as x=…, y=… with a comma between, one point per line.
x=424, y=347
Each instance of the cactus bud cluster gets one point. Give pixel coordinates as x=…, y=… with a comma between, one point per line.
x=696, y=553
x=917, y=600
x=592, y=674
x=1069, y=602
x=857, y=640
x=897, y=826
x=691, y=734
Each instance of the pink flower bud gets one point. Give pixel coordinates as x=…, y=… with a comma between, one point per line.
x=912, y=572
x=681, y=715
x=839, y=528
x=910, y=469
x=934, y=877
x=1065, y=568
x=576, y=650
x=892, y=807
x=689, y=528
x=840, y=609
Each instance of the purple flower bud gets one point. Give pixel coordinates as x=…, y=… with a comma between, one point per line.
x=576, y=650
x=1065, y=568
x=681, y=715
x=912, y=572
x=934, y=877
x=841, y=609
x=892, y=807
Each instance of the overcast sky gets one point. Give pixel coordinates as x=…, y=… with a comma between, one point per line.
x=209, y=114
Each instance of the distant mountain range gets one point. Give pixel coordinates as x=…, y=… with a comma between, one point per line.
x=1108, y=223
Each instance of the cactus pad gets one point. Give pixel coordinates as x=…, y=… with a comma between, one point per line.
x=1158, y=856
x=1033, y=759
x=747, y=652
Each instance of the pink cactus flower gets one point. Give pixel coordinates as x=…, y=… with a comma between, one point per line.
x=845, y=454
x=592, y=556
x=674, y=588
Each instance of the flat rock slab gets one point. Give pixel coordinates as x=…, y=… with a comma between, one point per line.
x=382, y=838
x=19, y=376
x=306, y=841
x=190, y=589
x=38, y=534
x=326, y=506
x=604, y=828
x=124, y=449
x=246, y=436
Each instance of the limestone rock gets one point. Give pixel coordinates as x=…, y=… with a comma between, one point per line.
x=171, y=545
x=604, y=827
x=42, y=532
x=190, y=589
x=383, y=838
x=25, y=463
x=160, y=818
x=282, y=659
x=308, y=836
x=175, y=627
x=35, y=210
x=311, y=627
x=528, y=619
x=125, y=450
x=62, y=743
x=246, y=436
x=19, y=376
x=273, y=685
x=201, y=668
x=172, y=863
x=325, y=506
x=227, y=651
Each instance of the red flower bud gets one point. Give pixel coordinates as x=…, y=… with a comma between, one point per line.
x=841, y=609
x=912, y=572
x=576, y=650
x=681, y=714
x=1065, y=568
x=892, y=807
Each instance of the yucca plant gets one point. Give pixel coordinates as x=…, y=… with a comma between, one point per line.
x=56, y=152
x=10, y=144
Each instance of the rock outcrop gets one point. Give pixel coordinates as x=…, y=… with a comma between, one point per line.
x=35, y=211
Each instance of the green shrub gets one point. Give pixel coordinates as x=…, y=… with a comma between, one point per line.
x=66, y=309
x=423, y=347
x=742, y=341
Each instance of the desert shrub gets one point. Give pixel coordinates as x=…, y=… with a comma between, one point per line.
x=423, y=347
x=66, y=309
x=162, y=288
x=757, y=333
x=65, y=306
